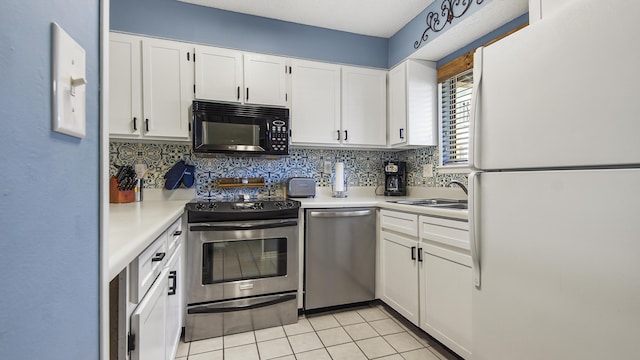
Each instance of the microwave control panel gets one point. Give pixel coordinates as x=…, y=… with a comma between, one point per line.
x=279, y=137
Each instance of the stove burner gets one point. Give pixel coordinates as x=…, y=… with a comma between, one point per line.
x=211, y=210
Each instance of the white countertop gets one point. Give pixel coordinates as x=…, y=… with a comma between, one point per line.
x=134, y=226
x=363, y=197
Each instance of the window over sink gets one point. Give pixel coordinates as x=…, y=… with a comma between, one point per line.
x=455, y=111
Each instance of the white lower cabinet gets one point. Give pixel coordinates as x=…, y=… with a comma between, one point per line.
x=148, y=323
x=425, y=275
x=174, y=309
x=399, y=263
x=399, y=272
x=446, y=282
x=150, y=298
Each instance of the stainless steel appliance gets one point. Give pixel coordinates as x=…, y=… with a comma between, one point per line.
x=242, y=266
x=395, y=178
x=340, y=252
x=301, y=187
x=240, y=128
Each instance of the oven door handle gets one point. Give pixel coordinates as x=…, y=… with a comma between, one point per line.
x=234, y=227
x=212, y=309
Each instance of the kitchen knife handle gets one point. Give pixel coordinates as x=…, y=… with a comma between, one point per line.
x=158, y=257
x=135, y=124
x=413, y=253
x=173, y=276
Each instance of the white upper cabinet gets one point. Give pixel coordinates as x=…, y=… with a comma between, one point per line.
x=337, y=105
x=167, y=80
x=150, y=89
x=315, y=103
x=125, y=86
x=233, y=76
x=413, y=100
x=218, y=74
x=265, y=79
x=364, y=106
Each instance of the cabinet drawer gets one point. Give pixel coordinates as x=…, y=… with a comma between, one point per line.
x=444, y=231
x=399, y=222
x=146, y=267
x=174, y=234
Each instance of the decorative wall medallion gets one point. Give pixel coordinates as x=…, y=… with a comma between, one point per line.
x=451, y=9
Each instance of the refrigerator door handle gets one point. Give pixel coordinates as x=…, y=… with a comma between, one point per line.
x=474, y=237
x=475, y=105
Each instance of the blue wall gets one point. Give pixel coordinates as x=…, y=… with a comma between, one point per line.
x=181, y=21
x=401, y=45
x=49, y=197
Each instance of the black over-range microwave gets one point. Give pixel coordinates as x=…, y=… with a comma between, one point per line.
x=238, y=128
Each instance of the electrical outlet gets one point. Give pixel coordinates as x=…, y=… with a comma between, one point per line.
x=427, y=170
x=327, y=167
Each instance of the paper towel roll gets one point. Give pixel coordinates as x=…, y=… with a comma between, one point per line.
x=339, y=177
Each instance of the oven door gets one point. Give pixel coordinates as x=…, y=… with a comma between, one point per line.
x=230, y=260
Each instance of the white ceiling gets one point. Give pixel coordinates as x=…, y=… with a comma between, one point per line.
x=381, y=18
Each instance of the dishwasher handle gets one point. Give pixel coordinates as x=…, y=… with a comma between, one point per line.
x=332, y=214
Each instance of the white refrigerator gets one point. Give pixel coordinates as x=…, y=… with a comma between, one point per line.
x=555, y=190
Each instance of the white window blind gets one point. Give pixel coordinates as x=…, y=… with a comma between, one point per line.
x=454, y=118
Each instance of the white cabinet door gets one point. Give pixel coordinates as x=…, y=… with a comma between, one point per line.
x=413, y=100
x=446, y=282
x=265, y=79
x=397, y=105
x=364, y=106
x=148, y=322
x=399, y=274
x=315, y=102
x=218, y=74
x=125, y=86
x=447, y=301
x=174, y=303
x=167, y=80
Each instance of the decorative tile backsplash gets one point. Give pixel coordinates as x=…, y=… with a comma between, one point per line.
x=362, y=167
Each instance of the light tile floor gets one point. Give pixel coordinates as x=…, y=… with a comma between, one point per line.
x=371, y=332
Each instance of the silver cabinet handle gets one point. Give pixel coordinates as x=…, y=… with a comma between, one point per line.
x=341, y=213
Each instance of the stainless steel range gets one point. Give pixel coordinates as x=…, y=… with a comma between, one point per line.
x=242, y=266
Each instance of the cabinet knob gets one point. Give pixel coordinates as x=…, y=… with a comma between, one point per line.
x=135, y=124
x=401, y=133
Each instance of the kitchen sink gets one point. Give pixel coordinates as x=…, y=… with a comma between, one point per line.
x=437, y=203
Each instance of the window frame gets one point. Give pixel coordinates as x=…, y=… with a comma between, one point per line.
x=448, y=168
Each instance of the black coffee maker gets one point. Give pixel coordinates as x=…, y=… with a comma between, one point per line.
x=395, y=178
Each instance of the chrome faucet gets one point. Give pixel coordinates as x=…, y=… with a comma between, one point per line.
x=456, y=182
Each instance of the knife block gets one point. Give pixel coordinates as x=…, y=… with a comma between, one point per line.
x=119, y=196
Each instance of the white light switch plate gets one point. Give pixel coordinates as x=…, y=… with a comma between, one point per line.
x=69, y=84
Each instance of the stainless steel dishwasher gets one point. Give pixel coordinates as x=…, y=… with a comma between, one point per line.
x=340, y=251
